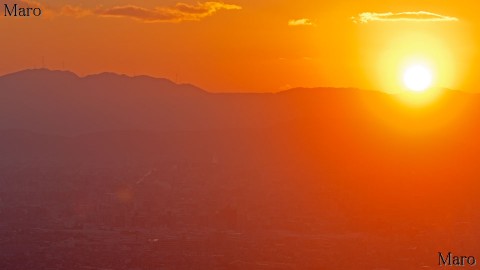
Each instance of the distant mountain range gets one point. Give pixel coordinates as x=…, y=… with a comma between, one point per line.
x=55, y=117
x=60, y=102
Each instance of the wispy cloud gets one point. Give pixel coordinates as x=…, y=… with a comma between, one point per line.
x=301, y=22
x=409, y=16
x=177, y=13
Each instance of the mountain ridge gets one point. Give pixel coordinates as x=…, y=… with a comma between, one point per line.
x=62, y=103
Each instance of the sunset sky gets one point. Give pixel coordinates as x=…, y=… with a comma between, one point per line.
x=251, y=45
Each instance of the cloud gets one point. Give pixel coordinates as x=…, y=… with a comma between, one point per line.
x=409, y=16
x=301, y=22
x=178, y=13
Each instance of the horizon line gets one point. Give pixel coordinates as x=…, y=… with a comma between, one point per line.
x=351, y=88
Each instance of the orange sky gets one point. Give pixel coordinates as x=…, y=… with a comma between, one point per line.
x=250, y=45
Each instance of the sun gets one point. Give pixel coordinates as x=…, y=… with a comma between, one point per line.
x=418, y=78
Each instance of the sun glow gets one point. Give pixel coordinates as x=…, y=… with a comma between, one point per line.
x=417, y=78
x=401, y=49
x=419, y=83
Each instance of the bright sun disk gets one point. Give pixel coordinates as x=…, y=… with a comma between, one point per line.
x=417, y=78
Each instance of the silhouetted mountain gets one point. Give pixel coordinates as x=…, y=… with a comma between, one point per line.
x=112, y=120
x=59, y=102
x=115, y=119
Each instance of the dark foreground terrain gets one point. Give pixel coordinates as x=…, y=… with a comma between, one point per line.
x=112, y=172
